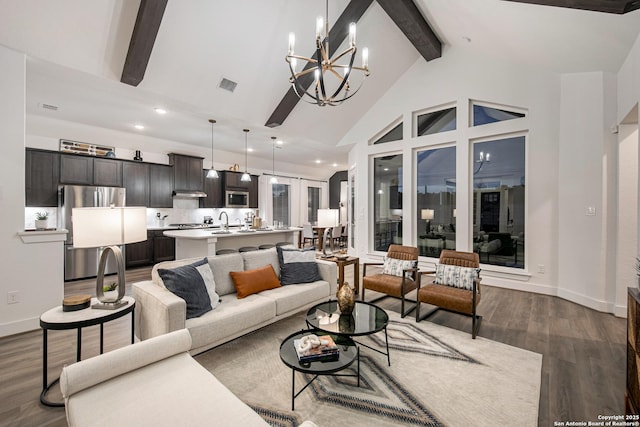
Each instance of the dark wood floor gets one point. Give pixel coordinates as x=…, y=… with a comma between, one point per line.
x=583, y=368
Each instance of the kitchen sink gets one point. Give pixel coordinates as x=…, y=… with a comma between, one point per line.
x=246, y=231
x=221, y=232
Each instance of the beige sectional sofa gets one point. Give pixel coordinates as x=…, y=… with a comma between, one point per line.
x=151, y=383
x=159, y=311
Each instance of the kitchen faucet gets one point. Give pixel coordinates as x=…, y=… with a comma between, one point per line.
x=226, y=224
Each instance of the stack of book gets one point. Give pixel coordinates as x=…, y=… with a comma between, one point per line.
x=327, y=351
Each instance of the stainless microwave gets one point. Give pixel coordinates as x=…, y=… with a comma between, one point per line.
x=237, y=199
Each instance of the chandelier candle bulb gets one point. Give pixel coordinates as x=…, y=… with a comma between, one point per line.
x=292, y=43
x=365, y=58
x=352, y=34
x=319, y=27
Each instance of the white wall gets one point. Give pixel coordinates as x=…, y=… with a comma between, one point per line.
x=35, y=271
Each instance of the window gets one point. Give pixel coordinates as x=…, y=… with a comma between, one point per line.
x=395, y=134
x=498, y=201
x=436, y=201
x=313, y=204
x=436, y=121
x=387, y=189
x=281, y=204
x=483, y=115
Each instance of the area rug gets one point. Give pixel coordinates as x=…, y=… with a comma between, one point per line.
x=438, y=377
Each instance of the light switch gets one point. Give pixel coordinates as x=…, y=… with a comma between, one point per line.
x=591, y=211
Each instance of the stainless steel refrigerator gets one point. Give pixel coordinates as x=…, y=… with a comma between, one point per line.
x=83, y=262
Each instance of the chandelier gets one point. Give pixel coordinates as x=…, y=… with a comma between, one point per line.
x=331, y=77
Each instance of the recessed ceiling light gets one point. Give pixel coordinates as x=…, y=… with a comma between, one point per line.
x=160, y=110
x=279, y=142
x=318, y=161
x=335, y=165
x=250, y=150
x=139, y=127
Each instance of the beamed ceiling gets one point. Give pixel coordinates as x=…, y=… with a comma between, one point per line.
x=108, y=63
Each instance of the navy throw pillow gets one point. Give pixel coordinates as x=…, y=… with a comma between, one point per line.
x=297, y=266
x=187, y=283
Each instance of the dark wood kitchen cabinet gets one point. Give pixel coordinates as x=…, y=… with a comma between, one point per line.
x=232, y=181
x=155, y=249
x=41, y=179
x=187, y=172
x=107, y=172
x=160, y=186
x=253, y=192
x=87, y=170
x=141, y=253
x=135, y=178
x=213, y=189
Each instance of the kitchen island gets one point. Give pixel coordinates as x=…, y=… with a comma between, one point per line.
x=206, y=241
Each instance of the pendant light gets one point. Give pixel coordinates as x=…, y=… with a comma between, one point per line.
x=245, y=176
x=274, y=180
x=212, y=172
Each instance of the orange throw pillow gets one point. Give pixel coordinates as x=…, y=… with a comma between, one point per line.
x=254, y=281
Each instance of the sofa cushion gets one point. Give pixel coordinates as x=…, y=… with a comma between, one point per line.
x=188, y=283
x=396, y=267
x=292, y=298
x=255, y=259
x=456, y=276
x=232, y=316
x=297, y=265
x=222, y=265
x=253, y=281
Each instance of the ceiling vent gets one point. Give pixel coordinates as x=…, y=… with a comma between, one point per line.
x=49, y=107
x=228, y=85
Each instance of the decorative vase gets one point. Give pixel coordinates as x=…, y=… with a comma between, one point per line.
x=346, y=298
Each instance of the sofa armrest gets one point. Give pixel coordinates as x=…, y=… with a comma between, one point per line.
x=329, y=273
x=158, y=311
x=87, y=373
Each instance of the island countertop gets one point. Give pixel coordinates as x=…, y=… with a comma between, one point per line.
x=205, y=242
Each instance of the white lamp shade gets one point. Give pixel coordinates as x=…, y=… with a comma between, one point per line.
x=95, y=227
x=328, y=217
x=427, y=213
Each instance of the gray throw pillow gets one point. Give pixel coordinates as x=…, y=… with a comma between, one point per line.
x=297, y=266
x=187, y=283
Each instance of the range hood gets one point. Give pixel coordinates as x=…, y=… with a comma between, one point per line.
x=185, y=194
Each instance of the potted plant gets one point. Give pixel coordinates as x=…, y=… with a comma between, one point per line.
x=110, y=291
x=41, y=220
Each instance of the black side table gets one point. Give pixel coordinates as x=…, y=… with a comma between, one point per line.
x=348, y=354
x=56, y=319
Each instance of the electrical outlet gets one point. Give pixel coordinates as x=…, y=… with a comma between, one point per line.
x=541, y=268
x=13, y=297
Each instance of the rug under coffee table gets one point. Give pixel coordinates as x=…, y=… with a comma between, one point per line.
x=348, y=353
x=366, y=319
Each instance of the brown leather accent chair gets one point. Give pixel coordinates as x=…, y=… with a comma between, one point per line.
x=448, y=297
x=391, y=285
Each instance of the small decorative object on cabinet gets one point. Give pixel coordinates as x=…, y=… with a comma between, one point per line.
x=632, y=395
x=41, y=220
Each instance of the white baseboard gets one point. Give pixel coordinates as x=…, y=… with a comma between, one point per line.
x=599, y=305
x=19, y=326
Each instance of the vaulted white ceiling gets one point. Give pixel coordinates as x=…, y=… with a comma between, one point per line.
x=77, y=48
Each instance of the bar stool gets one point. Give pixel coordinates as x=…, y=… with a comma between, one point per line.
x=283, y=243
x=247, y=249
x=266, y=246
x=226, y=251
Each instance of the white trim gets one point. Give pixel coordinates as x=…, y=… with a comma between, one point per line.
x=19, y=326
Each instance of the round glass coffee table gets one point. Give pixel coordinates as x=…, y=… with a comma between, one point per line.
x=366, y=319
x=348, y=353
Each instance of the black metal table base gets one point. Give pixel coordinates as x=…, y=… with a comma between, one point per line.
x=386, y=339
x=293, y=380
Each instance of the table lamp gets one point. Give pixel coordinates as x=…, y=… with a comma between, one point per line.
x=327, y=219
x=427, y=214
x=109, y=227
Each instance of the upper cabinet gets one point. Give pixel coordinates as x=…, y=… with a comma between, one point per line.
x=187, y=172
x=136, y=182
x=160, y=186
x=232, y=182
x=213, y=188
x=42, y=175
x=87, y=170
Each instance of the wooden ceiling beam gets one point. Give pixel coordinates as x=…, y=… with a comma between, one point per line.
x=144, y=36
x=607, y=6
x=338, y=33
x=406, y=15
